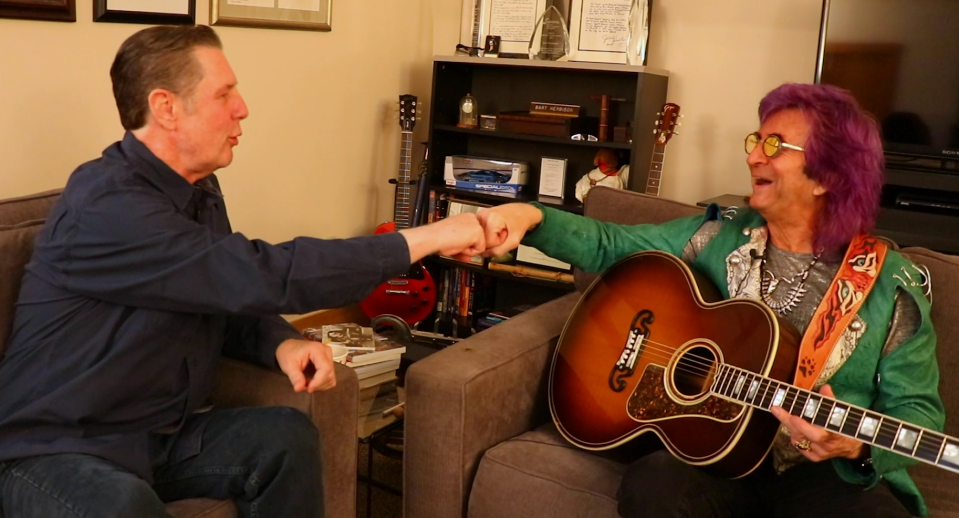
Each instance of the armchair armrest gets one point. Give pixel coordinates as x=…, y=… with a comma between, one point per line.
x=333, y=411
x=471, y=396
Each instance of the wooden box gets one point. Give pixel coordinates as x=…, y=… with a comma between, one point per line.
x=545, y=125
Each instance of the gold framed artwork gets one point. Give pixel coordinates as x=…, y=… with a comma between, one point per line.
x=310, y=15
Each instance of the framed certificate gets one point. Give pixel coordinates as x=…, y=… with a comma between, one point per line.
x=552, y=177
x=598, y=30
x=512, y=20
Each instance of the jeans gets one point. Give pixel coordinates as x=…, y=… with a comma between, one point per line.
x=662, y=486
x=266, y=459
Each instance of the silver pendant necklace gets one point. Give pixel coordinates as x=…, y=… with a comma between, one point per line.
x=796, y=292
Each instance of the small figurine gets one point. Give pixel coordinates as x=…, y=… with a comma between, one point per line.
x=608, y=172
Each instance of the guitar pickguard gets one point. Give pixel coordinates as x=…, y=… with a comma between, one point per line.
x=650, y=401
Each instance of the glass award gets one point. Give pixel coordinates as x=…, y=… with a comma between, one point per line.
x=638, y=33
x=550, y=40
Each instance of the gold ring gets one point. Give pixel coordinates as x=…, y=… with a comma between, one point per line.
x=802, y=445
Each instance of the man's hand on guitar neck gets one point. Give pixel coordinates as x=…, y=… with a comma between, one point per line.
x=459, y=235
x=818, y=444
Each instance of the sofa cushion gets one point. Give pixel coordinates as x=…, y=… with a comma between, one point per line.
x=27, y=208
x=937, y=486
x=540, y=474
x=16, y=246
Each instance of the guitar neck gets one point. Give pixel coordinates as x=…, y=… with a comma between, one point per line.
x=851, y=421
x=655, y=170
x=401, y=211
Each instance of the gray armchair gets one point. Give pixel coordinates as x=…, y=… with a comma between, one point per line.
x=239, y=384
x=479, y=438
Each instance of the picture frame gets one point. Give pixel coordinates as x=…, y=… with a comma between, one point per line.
x=598, y=30
x=153, y=12
x=308, y=15
x=512, y=20
x=48, y=10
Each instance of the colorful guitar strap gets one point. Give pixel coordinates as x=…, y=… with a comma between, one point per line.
x=846, y=294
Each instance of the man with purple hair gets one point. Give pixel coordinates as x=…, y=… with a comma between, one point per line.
x=803, y=248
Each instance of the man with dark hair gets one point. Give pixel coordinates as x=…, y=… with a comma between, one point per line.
x=136, y=286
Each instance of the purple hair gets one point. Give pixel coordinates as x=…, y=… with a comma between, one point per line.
x=843, y=153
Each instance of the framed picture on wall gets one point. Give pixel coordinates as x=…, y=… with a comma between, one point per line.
x=177, y=12
x=51, y=10
x=311, y=15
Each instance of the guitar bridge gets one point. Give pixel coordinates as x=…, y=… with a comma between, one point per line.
x=635, y=344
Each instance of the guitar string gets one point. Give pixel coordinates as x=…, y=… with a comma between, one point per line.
x=884, y=434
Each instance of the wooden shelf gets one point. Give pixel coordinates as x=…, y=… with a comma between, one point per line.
x=563, y=286
x=532, y=138
x=496, y=199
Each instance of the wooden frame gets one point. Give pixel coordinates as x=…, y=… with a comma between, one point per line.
x=311, y=15
x=50, y=10
x=183, y=12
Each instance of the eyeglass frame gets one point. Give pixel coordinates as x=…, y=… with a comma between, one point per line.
x=782, y=144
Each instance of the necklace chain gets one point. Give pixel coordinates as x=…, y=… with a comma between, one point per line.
x=796, y=292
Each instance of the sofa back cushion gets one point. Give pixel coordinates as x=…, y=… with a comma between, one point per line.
x=938, y=487
x=629, y=208
x=16, y=246
x=27, y=208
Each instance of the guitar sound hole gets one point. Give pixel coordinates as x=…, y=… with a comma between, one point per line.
x=693, y=370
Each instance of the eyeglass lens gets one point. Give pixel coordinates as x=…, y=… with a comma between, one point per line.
x=771, y=146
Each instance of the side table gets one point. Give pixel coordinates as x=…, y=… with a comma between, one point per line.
x=372, y=429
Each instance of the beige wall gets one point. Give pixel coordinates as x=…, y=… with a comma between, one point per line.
x=322, y=140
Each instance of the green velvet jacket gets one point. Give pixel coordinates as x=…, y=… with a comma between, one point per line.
x=902, y=384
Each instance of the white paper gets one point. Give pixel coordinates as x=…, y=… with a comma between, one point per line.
x=552, y=177
x=513, y=20
x=528, y=254
x=150, y=6
x=300, y=5
x=604, y=25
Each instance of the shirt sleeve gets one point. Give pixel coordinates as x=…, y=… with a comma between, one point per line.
x=594, y=245
x=255, y=339
x=133, y=247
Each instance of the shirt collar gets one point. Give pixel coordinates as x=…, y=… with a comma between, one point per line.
x=161, y=175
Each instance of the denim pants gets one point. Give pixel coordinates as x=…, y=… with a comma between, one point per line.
x=662, y=486
x=266, y=459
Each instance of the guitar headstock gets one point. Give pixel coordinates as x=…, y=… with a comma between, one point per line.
x=667, y=123
x=407, y=112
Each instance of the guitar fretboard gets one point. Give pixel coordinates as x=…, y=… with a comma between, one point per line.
x=655, y=170
x=402, y=206
x=851, y=421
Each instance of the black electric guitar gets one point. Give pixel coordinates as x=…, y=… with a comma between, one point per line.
x=412, y=296
x=665, y=129
x=651, y=347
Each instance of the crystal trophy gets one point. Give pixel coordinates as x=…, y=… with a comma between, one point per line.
x=550, y=40
x=638, y=33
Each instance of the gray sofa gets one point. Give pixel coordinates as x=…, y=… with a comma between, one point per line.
x=239, y=384
x=479, y=438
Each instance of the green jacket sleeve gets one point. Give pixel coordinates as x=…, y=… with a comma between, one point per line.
x=594, y=245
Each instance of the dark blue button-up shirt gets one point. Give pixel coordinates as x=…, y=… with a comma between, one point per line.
x=136, y=285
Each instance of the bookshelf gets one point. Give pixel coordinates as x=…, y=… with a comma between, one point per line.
x=510, y=85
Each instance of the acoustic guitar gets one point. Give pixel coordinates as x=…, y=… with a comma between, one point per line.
x=651, y=347
x=665, y=129
x=413, y=295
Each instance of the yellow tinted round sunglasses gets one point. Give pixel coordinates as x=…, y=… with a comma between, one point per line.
x=771, y=146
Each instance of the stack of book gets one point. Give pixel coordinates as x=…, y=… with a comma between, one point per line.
x=373, y=358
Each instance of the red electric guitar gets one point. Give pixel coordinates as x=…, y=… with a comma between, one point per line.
x=665, y=129
x=412, y=296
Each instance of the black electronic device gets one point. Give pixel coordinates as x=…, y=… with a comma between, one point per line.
x=901, y=61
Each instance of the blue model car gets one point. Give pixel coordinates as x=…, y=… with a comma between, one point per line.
x=483, y=176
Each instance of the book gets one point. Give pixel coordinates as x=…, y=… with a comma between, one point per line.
x=351, y=336
x=377, y=379
x=370, y=370
x=383, y=349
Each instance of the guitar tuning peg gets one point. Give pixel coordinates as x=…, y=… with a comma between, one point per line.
x=682, y=116
x=658, y=123
x=655, y=131
x=675, y=133
x=679, y=123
